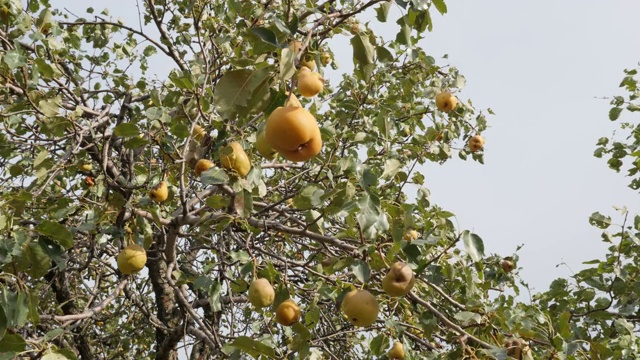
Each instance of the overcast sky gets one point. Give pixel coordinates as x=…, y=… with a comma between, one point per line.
x=543, y=66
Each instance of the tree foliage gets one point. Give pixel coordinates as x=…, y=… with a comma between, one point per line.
x=87, y=132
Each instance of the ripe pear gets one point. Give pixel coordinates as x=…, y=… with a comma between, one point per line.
x=160, y=192
x=202, y=165
x=411, y=235
x=261, y=293
x=198, y=133
x=476, y=143
x=294, y=133
x=310, y=83
x=287, y=313
x=131, y=259
x=308, y=62
x=264, y=148
x=360, y=307
x=507, y=265
x=445, y=101
x=234, y=157
x=399, y=280
x=396, y=352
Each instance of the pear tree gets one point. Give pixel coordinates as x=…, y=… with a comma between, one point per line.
x=258, y=200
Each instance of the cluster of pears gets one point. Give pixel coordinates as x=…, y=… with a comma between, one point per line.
x=291, y=130
x=361, y=307
x=262, y=294
x=131, y=259
x=446, y=101
x=232, y=156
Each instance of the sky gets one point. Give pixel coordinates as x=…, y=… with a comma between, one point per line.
x=544, y=68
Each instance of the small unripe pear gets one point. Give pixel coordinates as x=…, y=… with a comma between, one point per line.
x=261, y=293
x=360, y=307
x=399, y=280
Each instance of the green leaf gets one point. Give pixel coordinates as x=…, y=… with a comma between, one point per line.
x=363, y=51
x=361, y=270
x=287, y=64
x=243, y=203
x=563, y=325
x=252, y=347
x=266, y=35
x=473, y=244
x=126, y=130
x=214, y=176
x=468, y=318
x=600, y=221
x=379, y=344
x=382, y=12
x=440, y=5
x=404, y=35
x=12, y=342
x=236, y=87
x=614, y=113
x=53, y=334
x=14, y=59
x=49, y=108
x=391, y=168
x=57, y=232
x=383, y=54
x=3, y=323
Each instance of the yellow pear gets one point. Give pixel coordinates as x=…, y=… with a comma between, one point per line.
x=160, y=192
x=476, y=143
x=445, y=101
x=234, y=157
x=399, y=280
x=309, y=83
x=287, y=313
x=131, y=259
x=198, y=133
x=294, y=133
x=202, y=165
x=308, y=62
x=396, y=352
x=261, y=293
x=360, y=307
x=86, y=167
x=411, y=235
x=264, y=148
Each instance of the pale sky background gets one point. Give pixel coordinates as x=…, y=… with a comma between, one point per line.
x=543, y=67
